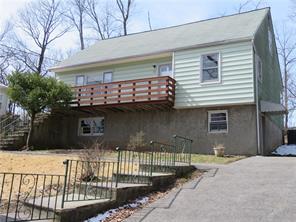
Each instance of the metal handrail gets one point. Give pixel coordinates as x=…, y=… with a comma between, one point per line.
x=5, y=121
x=12, y=126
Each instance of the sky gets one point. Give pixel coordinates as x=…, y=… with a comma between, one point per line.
x=164, y=13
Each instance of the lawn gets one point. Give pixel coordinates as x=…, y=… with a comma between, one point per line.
x=199, y=158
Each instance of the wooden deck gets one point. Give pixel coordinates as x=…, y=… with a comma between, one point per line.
x=138, y=94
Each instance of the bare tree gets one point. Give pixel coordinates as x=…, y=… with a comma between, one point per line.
x=125, y=10
x=4, y=55
x=249, y=5
x=287, y=52
x=102, y=19
x=76, y=15
x=40, y=22
x=149, y=21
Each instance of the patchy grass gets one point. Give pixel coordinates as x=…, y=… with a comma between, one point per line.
x=199, y=158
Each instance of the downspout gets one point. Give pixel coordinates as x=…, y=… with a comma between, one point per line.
x=259, y=151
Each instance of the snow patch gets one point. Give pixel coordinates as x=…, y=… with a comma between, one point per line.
x=101, y=217
x=285, y=150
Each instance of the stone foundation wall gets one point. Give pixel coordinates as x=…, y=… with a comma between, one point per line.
x=62, y=131
x=272, y=135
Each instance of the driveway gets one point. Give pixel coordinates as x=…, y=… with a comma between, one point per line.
x=253, y=189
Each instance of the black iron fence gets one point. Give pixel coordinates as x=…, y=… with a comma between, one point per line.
x=183, y=151
x=129, y=167
x=29, y=197
x=88, y=180
x=163, y=154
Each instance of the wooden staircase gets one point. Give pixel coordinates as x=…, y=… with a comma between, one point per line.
x=14, y=131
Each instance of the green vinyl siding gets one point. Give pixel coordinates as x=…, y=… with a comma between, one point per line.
x=270, y=87
x=237, y=83
x=121, y=72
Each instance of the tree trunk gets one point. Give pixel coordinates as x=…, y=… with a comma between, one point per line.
x=81, y=37
x=31, y=129
x=124, y=27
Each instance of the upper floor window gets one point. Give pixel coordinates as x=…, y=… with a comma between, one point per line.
x=165, y=69
x=107, y=78
x=80, y=80
x=1, y=98
x=210, y=67
x=258, y=67
x=218, y=121
x=93, y=79
x=270, y=41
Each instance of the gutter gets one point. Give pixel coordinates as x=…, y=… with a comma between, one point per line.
x=259, y=148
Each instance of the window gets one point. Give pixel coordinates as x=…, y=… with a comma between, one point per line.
x=107, y=77
x=218, y=121
x=258, y=67
x=165, y=69
x=1, y=98
x=210, y=67
x=93, y=80
x=80, y=80
x=91, y=126
x=270, y=41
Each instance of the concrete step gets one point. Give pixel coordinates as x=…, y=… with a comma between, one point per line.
x=29, y=213
x=180, y=169
x=145, y=178
x=72, y=211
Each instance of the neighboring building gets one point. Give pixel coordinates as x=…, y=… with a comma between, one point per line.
x=215, y=81
x=3, y=100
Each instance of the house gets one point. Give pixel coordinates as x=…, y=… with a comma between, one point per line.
x=215, y=81
x=4, y=101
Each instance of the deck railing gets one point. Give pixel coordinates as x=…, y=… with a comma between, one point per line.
x=129, y=91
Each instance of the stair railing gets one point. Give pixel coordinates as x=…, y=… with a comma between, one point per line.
x=13, y=125
x=6, y=121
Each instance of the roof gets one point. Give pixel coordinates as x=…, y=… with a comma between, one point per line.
x=272, y=108
x=220, y=30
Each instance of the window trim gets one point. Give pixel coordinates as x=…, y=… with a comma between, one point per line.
x=202, y=82
x=83, y=80
x=166, y=63
x=258, y=59
x=107, y=71
x=209, y=121
x=270, y=41
x=91, y=134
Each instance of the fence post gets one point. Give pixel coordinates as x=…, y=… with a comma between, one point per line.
x=66, y=163
x=190, y=150
x=117, y=168
x=175, y=149
x=151, y=162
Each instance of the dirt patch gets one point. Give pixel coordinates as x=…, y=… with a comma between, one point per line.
x=24, y=163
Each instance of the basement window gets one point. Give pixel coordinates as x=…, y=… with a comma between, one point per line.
x=210, y=71
x=218, y=121
x=91, y=126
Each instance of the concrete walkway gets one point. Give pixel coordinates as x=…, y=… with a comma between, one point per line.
x=253, y=189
